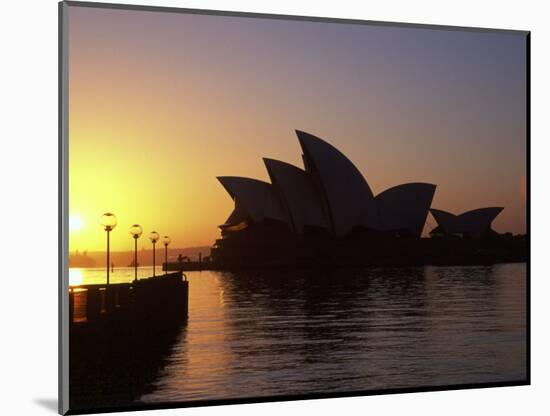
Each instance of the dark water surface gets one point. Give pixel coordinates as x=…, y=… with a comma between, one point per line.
x=265, y=334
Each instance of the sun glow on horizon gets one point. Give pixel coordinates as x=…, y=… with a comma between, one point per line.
x=75, y=222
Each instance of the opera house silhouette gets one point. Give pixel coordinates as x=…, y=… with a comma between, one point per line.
x=328, y=212
x=472, y=223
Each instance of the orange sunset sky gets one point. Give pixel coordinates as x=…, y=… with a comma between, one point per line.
x=160, y=104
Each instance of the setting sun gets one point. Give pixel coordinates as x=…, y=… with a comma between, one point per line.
x=75, y=223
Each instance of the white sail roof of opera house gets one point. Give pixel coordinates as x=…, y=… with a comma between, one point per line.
x=402, y=207
x=474, y=221
x=256, y=197
x=331, y=193
x=299, y=196
x=345, y=190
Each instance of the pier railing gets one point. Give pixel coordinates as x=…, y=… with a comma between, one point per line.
x=161, y=297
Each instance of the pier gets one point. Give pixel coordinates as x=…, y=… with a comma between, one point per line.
x=120, y=335
x=156, y=298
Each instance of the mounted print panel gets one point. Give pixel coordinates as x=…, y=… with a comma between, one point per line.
x=263, y=208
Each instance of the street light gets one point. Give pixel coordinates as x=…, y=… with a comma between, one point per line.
x=166, y=240
x=135, y=231
x=154, y=237
x=108, y=221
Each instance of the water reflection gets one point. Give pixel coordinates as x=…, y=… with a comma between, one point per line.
x=75, y=277
x=263, y=334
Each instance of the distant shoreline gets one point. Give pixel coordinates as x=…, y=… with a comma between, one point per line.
x=90, y=259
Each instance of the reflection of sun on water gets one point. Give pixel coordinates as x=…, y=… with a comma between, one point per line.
x=75, y=277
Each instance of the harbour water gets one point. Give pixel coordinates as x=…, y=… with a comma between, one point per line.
x=254, y=334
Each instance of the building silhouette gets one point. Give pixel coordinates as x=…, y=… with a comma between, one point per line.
x=470, y=224
x=325, y=206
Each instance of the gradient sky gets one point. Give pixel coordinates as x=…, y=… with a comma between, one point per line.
x=160, y=104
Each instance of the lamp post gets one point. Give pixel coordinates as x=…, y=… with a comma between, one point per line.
x=166, y=240
x=154, y=237
x=135, y=231
x=108, y=221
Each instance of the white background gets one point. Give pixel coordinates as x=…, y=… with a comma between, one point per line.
x=28, y=203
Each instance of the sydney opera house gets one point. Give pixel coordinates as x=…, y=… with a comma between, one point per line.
x=327, y=211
